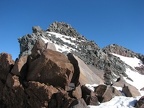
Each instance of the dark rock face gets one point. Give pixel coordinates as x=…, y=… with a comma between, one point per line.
x=63, y=28
x=89, y=96
x=140, y=103
x=13, y=93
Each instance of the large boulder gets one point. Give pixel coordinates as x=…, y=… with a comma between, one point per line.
x=106, y=93
x=130, y=91
x=82, y=73
x=6, y=64
x=20, y=66
x=51, y=67
x=89, y=96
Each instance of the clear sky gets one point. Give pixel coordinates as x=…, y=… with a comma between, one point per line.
x=104, y=21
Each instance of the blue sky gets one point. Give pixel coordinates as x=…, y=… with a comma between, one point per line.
x=104, y=21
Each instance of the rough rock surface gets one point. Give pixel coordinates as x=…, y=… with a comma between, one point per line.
x=130, y=91
x=114, y=48
x=82, y=71
x=63, y=28
x=6, y=64
x=13, y=94
x=106, y=93
x=20, y=66
x=39, y=93
x=89, y=96
x=51, y=67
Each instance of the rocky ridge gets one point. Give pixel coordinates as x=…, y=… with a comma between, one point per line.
x=77, y=44
x=53, y=67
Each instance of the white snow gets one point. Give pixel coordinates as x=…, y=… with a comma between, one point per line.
x=91, y=86
x=138, y=82
x=137, y=78
x=45, y=40
x=118, y=102
x=133, y=62
x=61, y=48
x=63, y=37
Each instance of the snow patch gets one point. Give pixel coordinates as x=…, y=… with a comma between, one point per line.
x=118, y=102
x=133, y=62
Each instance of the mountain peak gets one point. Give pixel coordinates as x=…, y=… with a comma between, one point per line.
x=63, y=28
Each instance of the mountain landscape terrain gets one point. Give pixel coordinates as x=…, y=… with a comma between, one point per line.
x=60, y=68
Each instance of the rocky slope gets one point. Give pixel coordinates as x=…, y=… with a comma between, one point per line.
x=55, y=65
x=67, y=39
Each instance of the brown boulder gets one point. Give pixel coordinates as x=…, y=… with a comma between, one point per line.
x=130, y=91
x=13, y=93
x=6, y=64
x=39, y=94
x=140, y=103
x=51, y=67
x=89, y=96
x=38, y=48
x=20, y=66
x=106, y=93
x=82, y=73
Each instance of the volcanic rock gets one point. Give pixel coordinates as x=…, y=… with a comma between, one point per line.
x=20, y=66
x=13, y=94
x=39, y=94
x=106, y=93
x=51, y=67
x=6, y=64
x=89, y=96
x=82, y=71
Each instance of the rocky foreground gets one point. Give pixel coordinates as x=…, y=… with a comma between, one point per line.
x=44, y=77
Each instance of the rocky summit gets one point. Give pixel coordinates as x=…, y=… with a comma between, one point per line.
x=55, y=65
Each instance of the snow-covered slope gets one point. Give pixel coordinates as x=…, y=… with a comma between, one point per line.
x=138, y=82
x=137, y=78
x=62, y=43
